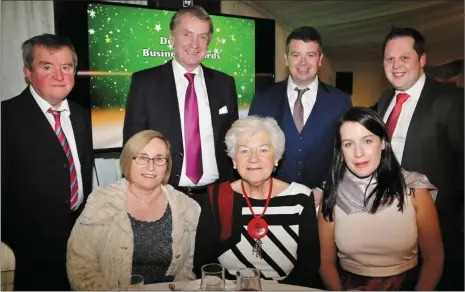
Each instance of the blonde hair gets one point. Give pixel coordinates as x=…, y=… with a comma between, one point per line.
x=251, y=125
x=135, y=145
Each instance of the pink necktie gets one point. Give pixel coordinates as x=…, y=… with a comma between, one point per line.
x=194, y=169
x=394, y=116
x=74, y=197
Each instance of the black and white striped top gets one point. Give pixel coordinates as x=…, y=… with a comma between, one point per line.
x=290, y=250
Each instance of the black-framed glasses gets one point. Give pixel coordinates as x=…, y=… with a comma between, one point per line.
x=144, y=160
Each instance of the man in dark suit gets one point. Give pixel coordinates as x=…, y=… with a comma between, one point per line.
x=305, y=108
x=425, y=123
x=46, y=164
x=191, y=105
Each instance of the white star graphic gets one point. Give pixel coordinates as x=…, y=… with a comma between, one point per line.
x=157, y=27
x=243, y=87
x=215, y=51
x=92, y=13
x=170, y=46
x=233, y=38
x=91, y=31
x=223, y=41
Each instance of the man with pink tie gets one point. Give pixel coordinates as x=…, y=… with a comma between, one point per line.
x=191, y=105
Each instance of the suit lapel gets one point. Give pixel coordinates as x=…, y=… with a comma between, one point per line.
x=38, y=121
x=169, y=100
x=281, y=101
x=416, y=125
x=385, y=102
x=215, y=101
x=79, y=135
x=317, y=116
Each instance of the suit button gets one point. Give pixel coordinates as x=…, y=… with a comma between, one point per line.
x=300, y=137
x=300, y=150
x=66, y=201
x=298, y=173
x=65, y=165
x=299, y=162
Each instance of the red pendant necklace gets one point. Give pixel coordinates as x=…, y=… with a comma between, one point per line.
x=257, y=227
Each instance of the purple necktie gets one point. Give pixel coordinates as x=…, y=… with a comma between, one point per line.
x=194, y=169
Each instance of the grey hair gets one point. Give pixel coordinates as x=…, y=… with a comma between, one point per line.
x=252, y=125
x=49, y=41
x=195, y=11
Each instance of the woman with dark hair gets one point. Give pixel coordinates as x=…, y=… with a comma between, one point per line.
x=374, y=214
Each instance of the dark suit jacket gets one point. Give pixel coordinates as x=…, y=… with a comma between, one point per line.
x=434, y=147
x=152, y=103
x=330, y=104
x=36, y=215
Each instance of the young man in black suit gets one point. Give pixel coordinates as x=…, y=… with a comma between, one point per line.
x=46, y=164
x=425, y=119
x=192, y=105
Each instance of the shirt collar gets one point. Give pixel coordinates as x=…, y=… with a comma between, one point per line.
x=415, y=90
x=313, y=86
x=179, y=70
x=44, y=105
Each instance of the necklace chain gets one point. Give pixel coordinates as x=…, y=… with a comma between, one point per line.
x=248, y=200
x=145, y=202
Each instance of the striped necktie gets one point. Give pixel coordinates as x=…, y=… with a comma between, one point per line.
x=74, y=197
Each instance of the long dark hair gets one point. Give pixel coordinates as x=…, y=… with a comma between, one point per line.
x=390, y=181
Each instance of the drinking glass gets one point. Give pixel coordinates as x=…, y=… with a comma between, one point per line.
x=248, y=280
x=212, y=278
x=131, y=283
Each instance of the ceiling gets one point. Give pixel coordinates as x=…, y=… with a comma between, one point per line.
x=355, y=30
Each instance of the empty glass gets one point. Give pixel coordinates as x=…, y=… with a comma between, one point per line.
x=131, y=283
x=212, y=278
x=248, y=280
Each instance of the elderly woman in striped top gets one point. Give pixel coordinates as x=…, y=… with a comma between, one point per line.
x=259, y=221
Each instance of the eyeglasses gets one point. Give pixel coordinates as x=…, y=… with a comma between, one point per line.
x=143, y=160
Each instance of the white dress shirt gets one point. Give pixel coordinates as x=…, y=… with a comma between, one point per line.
x=210, y=169
x=308, y=98
x=67, y=129
x=408, y=108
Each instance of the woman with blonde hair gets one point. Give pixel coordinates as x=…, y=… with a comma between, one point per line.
x=138, y=225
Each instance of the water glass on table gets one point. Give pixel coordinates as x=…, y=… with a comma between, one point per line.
x=131, y=283
x=248, y=280
x=212, y=278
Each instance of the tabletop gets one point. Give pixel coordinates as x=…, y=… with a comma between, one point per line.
x=267, y=285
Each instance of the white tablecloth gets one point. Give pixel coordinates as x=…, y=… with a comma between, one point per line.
x=190, y=286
